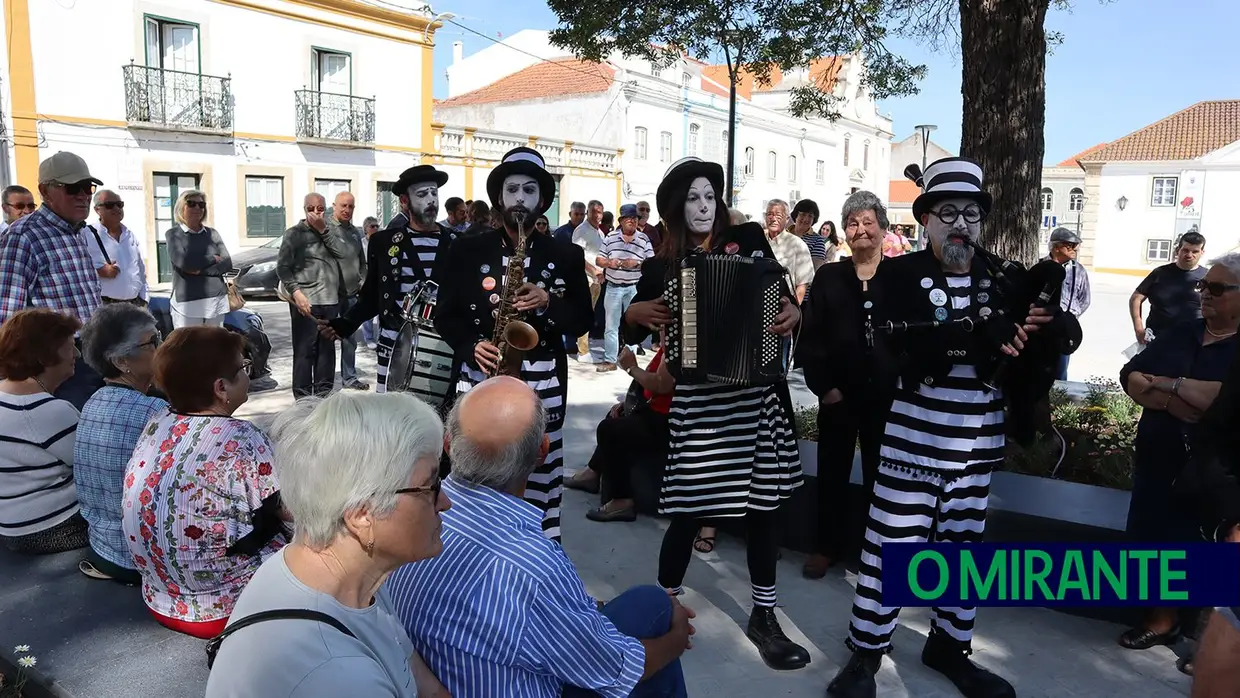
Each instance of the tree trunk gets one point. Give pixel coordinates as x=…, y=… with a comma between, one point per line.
x=1004, y=89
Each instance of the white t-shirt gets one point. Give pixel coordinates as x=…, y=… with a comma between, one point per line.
x=130, y=283
x=590, y=239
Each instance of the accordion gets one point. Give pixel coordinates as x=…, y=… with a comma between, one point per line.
x=723, y=305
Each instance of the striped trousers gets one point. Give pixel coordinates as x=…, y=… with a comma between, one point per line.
x=913, y=506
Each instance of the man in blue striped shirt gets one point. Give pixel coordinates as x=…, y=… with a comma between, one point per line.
x=501, y=611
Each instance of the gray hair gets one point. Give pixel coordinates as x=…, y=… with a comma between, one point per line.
x=485, y=467
x=577, y=206
x=114, y=332
x=99, y=194
x=864, y=201
x=351, y=450
x=778, y=202
x=1230, y=262
x=369, y=220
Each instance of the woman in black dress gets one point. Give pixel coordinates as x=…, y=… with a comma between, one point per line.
x=732, y=450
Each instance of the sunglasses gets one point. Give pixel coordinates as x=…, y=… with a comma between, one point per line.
x=23, y=207
x=1216, y=288
x=153, y=342
x=196, y=204
x=77, y=189
x=315, y=209
x=113, y=204
x=434, y=488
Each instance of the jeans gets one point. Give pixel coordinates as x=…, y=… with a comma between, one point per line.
x=314, y=358
x=1063, y=367
x=81, y=385
x=369, y=333
x=348, y=349
x=615, y=303
x=643, y=612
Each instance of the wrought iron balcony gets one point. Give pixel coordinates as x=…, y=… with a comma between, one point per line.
x=324, y=116
x=171, y=99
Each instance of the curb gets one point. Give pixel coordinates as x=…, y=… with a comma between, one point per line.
x=38, y=685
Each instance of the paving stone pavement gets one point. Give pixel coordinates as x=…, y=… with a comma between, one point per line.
x=1044, y=653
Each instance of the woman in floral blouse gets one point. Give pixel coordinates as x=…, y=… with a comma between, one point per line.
x=201, y=505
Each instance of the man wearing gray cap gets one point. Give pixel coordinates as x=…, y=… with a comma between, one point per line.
x=1075, y=296
x=620, y=258
x=45, y=260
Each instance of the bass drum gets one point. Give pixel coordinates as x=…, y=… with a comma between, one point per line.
x=400, y=368
x=421, y=364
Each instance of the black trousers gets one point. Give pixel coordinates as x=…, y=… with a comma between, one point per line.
x=314, y=358
x=761, y=551
x=620, y=440
x=840, y=426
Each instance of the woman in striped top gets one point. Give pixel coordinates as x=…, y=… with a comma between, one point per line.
x=732, y=450
x=38, y=502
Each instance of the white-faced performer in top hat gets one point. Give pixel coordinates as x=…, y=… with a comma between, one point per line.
x=409, y=250
x=732, y=450
x=959, y=321
x=551, y=296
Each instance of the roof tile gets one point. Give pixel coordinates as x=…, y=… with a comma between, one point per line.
x=554, y=78
x=903, y=191
x=1072, y=161
x=1185, y=135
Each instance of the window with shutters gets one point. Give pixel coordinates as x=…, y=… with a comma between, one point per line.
x=168, y=186
x=847, y=142
x=694, y=132
x=792, y=168
x=772, y=164
x=749, y=162
x=264, y=207
x=665, y=146
x=820, y=172
x=639, y=142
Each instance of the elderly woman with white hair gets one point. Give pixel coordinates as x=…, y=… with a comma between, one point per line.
x=359, y=474
x=119, y=342
x=199, y=261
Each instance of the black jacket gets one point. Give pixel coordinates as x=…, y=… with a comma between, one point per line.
x=380, y=294
x=1214, y=466
x=474, y=262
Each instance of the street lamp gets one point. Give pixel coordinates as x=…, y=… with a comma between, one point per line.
x=1122, y=202
x=426, y=33
x=925, y=130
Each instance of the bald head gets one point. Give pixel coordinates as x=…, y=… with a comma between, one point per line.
x=496, y=434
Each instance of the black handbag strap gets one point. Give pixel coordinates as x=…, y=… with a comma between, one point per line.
x=213, y=645
x=99, y=241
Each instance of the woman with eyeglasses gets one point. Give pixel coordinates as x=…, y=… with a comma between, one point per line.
x=1175, y=380
x=199, y=261
x=119, y=342
x=201, y=508
x=542, y=225
x=360, y=474
x=38, y=501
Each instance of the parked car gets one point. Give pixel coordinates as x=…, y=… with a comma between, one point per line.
x=256, y=269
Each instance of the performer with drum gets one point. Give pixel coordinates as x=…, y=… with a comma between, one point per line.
x=732, y=449
x=403, y=259
x=508, y=297
x=961, y=342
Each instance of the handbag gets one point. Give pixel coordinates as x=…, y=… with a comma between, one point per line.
x=235, y=300
x=213, y=645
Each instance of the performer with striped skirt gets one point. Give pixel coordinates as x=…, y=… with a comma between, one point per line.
x=732, y=450
x=957, y=323
x=554, y=300
x=409, y=250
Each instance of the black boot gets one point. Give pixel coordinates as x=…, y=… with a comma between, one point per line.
x=776, y=649
x=950, y=657
x=856, y=679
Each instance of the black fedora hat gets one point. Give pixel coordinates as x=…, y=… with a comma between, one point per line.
x=416, y=175
x=687, y=169
x=526, y=161
x=951, y=178
x=806, y=206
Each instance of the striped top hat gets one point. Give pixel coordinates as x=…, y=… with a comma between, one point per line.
x=526, y=161
x=951, y=178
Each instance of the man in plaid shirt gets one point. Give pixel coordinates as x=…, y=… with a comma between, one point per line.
x=45, y=261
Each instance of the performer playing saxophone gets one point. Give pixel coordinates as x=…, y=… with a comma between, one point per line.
x=499, y=280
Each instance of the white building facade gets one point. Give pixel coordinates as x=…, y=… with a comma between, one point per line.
x=254, y=102
x=657, y=116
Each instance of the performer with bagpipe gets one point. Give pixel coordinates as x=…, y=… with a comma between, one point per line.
x=506, y=300
x=971, y=333
x=728, y=313
x=403, y=264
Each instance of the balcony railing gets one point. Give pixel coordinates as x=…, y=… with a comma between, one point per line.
x=478, y=144
x=175, y=100
x=331, y=117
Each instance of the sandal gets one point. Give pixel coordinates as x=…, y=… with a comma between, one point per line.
x=91, y=571
x=1144, y=638
x=704, y=544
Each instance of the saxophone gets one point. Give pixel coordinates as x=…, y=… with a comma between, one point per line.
x=513, y=336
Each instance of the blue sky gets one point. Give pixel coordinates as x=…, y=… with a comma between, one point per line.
x=1123, y=65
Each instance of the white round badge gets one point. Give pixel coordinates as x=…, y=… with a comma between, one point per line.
x=938, y=297
x=926, y=282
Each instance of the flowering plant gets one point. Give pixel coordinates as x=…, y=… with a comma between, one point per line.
x=13, y=688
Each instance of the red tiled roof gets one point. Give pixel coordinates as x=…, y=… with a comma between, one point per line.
x=902, y=191
x=555, y=78
x=718, y=74
x=823, y=71
x=1072, y=161
x=1185, y=135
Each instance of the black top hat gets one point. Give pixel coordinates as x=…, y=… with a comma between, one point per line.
x=417, y=175
x=951, y=178
x=526, y=161
x=687, y=169
x=806, y=206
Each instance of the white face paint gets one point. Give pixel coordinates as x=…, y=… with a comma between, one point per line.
x=520, y=194
x=700, y=207
x=423, y=202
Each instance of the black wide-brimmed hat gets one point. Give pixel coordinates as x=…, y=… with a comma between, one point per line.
x=951, y=178
x=526, y=161
x=687, y=169
x=805, y=206
x=417, y=175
